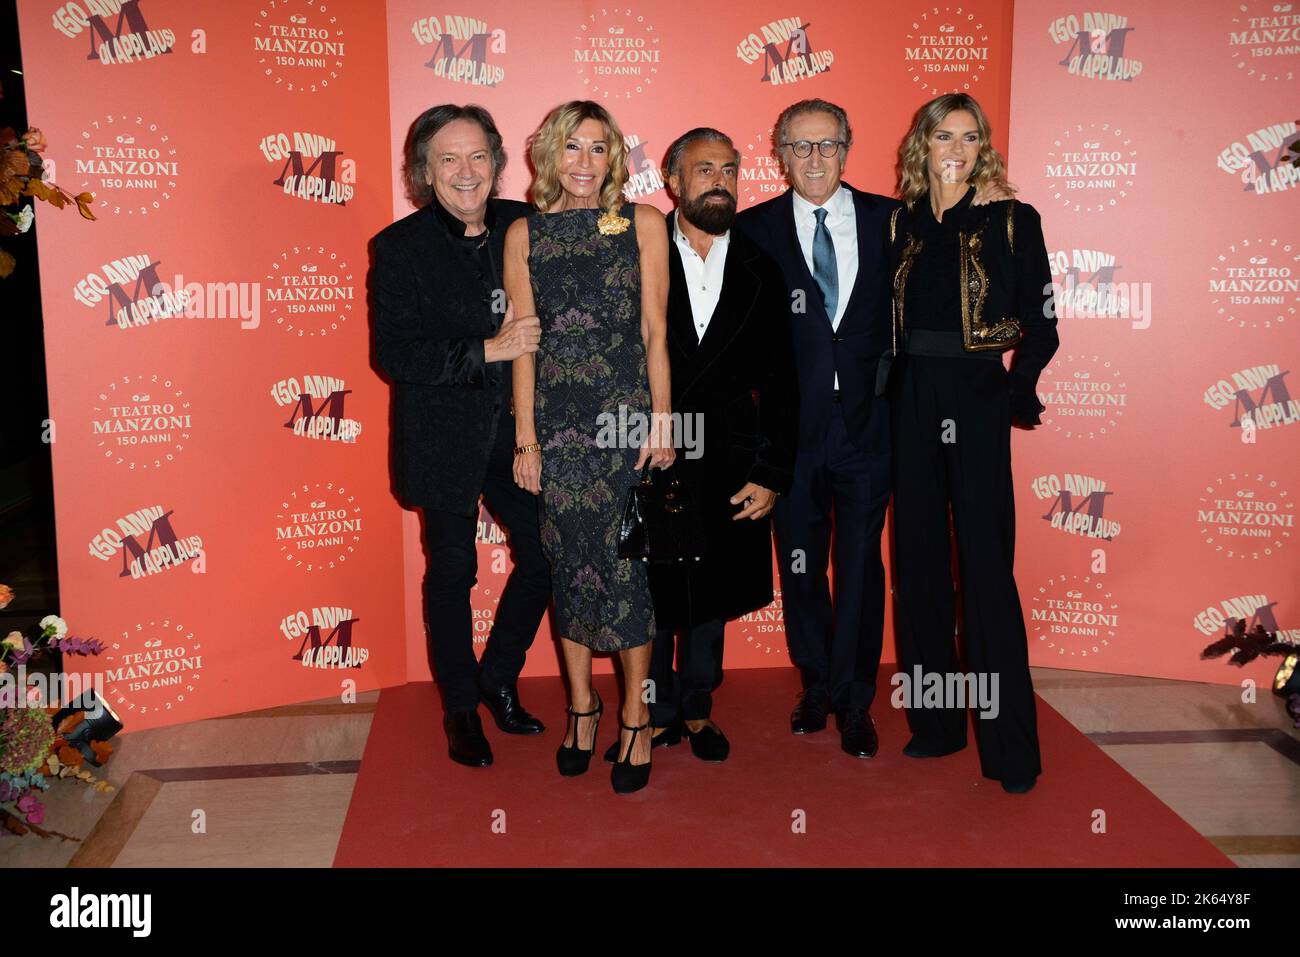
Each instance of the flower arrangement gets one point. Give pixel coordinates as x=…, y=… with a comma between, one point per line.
x=21, y=172
x=33, y=752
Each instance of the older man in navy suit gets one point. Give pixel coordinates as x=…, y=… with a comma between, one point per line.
x=829, y=240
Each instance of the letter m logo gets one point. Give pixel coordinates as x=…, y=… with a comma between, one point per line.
x=796, y=46
x=445, y=51
x=147, y=283
x=1263, y=617
x=331, y=407
x=160, y=531
x=341, y=636
x=326, y=161
x=99, y=33
x=1094, y=502
x=1274, y=388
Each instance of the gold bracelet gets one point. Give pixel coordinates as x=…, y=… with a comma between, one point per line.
x=534, y=447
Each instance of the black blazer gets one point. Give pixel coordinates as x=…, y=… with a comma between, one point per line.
x=431, y=313
x=820, y=352
x=740, y=379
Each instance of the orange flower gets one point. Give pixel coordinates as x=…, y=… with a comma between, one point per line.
x=71, y=757
x=69, y=724
x=6, y=595
x=16, y=163
x=103, y=750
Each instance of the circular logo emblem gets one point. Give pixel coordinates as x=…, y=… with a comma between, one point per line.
x=1256, y=283
x=318, y=525
x=1245, y=516
x=761, y=177
x=616, y=53
x=309, y=291
x=141, y=421
x=1073, y=616
x=764, y=629
x=1091, y=167
x=154, y=666
x=1085, y=396
x=946, y=50
x=128, y=163
x=299, y=44
x=1262, y=39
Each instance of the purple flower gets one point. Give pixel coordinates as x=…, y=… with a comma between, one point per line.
x=23, y=655
x=77, y=646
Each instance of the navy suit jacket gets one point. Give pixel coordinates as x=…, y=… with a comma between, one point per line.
x=821, y=352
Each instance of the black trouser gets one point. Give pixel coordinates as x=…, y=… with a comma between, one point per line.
x=836, y=647
x=451, y=573
x=686, y=691
x=952, y=446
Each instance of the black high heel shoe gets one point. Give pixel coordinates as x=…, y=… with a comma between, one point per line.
x=626, y=776
x=571, y=759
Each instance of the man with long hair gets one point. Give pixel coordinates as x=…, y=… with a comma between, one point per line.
x=444, y=337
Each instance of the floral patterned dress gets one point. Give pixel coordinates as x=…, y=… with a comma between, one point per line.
x=591, y=363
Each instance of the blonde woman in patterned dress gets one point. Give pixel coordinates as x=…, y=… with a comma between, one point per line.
x=594, y=269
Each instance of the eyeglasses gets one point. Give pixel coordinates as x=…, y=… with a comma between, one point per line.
x=803, y=148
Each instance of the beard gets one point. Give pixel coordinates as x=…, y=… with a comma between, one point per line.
x=714, y=218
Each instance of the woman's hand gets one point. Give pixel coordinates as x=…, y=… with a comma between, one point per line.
x=658, y=448
x=528, y=471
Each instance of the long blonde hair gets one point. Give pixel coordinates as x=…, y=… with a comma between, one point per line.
x=913, y=177
x=547, y=147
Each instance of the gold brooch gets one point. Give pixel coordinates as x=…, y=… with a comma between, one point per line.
x=611, y=225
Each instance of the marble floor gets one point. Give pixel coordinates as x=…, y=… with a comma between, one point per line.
x=271, y=788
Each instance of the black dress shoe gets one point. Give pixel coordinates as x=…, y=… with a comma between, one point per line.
x=809, y=715
x=858, y=733
x=709, y=743
x=466, y=743
x=510, y=715
x=916, y=748
x=1013, y=786
x=666, y=739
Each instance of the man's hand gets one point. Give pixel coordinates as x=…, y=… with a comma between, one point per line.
x=993, y=193
x=515, y=338
x=758, y=501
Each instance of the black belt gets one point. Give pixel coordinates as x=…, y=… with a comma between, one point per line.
x=940, y=344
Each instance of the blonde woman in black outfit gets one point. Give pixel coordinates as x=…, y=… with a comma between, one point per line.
x=970, y=283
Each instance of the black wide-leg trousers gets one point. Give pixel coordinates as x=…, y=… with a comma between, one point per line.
x=952, y=448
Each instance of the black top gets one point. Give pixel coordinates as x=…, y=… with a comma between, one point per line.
x=479, y=260
x=934, y=282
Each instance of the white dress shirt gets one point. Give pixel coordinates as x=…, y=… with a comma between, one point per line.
x=703, y=276
x=842, y=222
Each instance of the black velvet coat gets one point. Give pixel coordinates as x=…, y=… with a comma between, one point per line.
x=741, y=379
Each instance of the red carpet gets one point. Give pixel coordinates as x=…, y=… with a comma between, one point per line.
x=413, y=807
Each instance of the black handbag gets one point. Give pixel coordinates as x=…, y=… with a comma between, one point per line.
x=661, y=520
